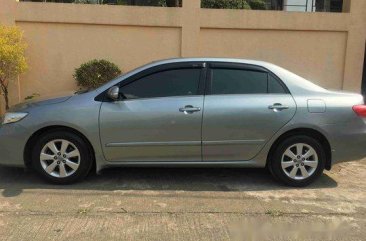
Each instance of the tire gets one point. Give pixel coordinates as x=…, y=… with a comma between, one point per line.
x=297, y=161
x=62, y=157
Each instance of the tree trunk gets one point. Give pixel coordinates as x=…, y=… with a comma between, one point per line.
x=6, y=98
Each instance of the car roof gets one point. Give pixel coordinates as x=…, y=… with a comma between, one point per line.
x=211, y=59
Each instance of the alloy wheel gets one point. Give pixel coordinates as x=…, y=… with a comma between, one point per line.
x=60, y=158
x=299, y=161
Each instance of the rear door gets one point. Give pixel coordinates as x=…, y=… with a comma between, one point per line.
x=245, y=106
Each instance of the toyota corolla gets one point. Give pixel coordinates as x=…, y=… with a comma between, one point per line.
x=196, y=112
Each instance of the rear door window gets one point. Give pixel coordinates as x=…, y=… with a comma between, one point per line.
x=242, y=81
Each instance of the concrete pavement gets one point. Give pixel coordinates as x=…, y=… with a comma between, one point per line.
x=184, y=204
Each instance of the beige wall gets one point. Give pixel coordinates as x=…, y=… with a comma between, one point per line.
x=327, y=48
x=56, y=49
x=293, y=50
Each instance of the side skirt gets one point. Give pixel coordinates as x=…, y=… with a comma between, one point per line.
x=198, y=164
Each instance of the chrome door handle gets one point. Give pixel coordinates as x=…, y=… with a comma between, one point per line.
x=189, y=109
x=278, y=107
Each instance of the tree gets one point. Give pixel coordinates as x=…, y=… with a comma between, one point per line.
x=12, y=59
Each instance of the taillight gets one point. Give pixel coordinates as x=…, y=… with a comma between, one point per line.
x=360, y=110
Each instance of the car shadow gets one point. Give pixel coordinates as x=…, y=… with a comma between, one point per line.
x=14, y=180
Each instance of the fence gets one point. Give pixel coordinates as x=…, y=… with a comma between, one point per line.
x=327, y=48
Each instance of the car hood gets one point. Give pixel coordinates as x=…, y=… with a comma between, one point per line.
x=45, y=100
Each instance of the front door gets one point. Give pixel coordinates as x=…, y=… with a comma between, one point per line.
x=159, y=119
x=244, y=107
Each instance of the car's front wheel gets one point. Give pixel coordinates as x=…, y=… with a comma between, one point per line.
x=298, y=160
x=61, y=157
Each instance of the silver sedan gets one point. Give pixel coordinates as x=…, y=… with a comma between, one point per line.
x=196, y=112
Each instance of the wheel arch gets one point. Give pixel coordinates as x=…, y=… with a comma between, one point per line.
x=33, y=138
x=308, y=132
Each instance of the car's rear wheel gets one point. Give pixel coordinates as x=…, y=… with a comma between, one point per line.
x=62, y=157
x=297, y=160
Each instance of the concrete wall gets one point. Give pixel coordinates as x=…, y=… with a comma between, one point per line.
x=327, y=48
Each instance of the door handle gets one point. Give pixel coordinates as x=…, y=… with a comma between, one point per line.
x=189, y=109
x=278, y=107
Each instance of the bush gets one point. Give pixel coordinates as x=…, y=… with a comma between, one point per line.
x=231, y=4
x=95, y=73
x=257, y=4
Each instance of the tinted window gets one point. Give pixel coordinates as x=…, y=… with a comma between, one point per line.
x=238, y=81
x=274, y=86
x=177, y=82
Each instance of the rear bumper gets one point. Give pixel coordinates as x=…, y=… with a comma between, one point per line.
x=347, y=141
x=13, y=138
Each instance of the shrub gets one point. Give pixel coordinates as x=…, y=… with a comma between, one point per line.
x=257, y=4
x=12, y=60
x=231, y=4
x=94, y=73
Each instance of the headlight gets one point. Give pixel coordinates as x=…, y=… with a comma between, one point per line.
x=12, y=117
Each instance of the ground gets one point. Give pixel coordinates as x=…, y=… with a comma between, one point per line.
x=184, y=204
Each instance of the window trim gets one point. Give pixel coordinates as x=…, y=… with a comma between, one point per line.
x=161, y=68
x=241, y=66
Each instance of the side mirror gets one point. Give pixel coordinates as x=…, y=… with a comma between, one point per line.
x=113, y=93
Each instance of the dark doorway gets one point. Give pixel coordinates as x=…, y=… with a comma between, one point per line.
x=363, y=86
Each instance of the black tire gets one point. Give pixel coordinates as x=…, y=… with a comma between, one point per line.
x=85, y=159
x=275, y=166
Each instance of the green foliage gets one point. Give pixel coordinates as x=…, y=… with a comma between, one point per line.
x=94, y=73
x=227, y=4
x=12, y=60
x=257, y=4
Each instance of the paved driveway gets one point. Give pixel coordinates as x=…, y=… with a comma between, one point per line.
x=184, y=204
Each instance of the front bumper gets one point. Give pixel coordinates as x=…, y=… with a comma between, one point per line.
x=13, y=138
